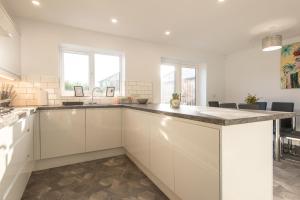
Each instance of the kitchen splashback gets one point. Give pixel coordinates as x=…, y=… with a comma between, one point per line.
x=27, y=91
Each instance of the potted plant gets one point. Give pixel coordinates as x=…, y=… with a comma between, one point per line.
x=175, y=101
x=251, y=99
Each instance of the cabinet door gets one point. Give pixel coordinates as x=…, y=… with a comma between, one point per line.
x=16, y=149
x=196, y=161
x=137, y=135
x=62, y=132
x=161, y=153
x=103, y=129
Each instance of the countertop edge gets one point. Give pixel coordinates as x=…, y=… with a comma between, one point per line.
x=204, y=119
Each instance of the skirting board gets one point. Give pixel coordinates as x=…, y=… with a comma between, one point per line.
x=77, y=158
x=170, y=194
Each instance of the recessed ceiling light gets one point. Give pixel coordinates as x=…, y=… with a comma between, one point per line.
x=221, y=0
x=114, y=20
x=168, y=33
x=35, y=3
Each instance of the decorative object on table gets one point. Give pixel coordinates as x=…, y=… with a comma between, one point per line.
x=290, y=66
x=78, y=91
x=142, y=100
x=175, y=101
x=7, y=95
x=251, y=99
x=110, y=91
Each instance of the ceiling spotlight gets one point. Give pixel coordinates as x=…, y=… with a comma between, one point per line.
x=114, y=20
x=272, y=43
x=168, y=33
x=221, y=1
x=35, y=3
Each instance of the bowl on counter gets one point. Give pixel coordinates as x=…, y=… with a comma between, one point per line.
x=142, y=100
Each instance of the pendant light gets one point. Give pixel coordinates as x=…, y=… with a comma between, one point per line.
x=272, y=42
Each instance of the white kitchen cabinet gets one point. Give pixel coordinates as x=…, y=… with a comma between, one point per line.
x=9, y=46
x=161, y=152
x=62, y=132
x=16, y=158
x=137, y=135
x=103, y=128
x=196, y=161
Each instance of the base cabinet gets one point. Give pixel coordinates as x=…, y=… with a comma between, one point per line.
x=184, y=156
x=103, y=129
x=16, y=158
x=137, y=135
x=161, y=150
x=62, y=132
x=196, y=161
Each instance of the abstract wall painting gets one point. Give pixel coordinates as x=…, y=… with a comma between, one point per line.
x=290, y=66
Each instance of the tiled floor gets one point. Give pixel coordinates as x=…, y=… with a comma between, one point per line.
x=287, y=180
x=119, y=179
x=106, y=179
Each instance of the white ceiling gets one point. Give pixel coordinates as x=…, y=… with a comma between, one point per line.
x=202, y=24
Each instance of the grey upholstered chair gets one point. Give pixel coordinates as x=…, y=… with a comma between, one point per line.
x=228, y=105
x=213, y=104
x=249, y=106
x=262, y=105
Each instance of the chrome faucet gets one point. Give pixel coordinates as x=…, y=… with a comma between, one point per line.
x=94, y=89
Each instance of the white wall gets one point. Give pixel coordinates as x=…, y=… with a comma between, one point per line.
x=257, y=72
x=40, y=55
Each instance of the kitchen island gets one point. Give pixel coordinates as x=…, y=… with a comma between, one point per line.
x=191, y=153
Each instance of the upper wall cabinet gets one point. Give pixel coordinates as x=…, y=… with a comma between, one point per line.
x=9, y=47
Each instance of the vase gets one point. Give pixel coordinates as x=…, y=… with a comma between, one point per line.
x=175, y=103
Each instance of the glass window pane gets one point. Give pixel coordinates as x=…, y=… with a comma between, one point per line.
x=167, y=78
x=107, y=73
x=76, y=71
x=188, y=86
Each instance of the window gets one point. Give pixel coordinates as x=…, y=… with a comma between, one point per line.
x=167, y=78
x=107, y=72
x=180, y=79
x=90, y=69
x=188, y=86
x=75, y=70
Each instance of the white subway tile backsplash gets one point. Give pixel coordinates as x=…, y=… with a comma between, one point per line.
x=27, y=88
x=49, y=79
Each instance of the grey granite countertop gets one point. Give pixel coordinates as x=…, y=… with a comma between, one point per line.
x=218, y=116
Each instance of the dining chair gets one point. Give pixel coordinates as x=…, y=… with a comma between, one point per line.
x=213, y=104
x=249, y=106
x=228, y=105
x=285, y=124
x=290, y=137
x=262, y=105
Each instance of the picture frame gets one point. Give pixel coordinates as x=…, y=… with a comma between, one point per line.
x=110, y=91
x=78, y=91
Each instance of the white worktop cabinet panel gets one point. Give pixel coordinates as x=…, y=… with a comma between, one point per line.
x=137, y=135
x=16, y=158
x=62, y=132
x=196, y=161
x=161, y=152
x=103, y=128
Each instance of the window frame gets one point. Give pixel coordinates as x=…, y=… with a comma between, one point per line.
x=91, y=75
x=178, y=78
